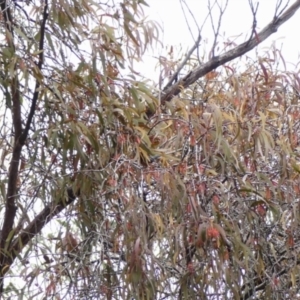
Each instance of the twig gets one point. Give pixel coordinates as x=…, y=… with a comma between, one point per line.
x=216, y=31
x=182, y=64
x=254, y=24
x=195, y=21
x=278, y=4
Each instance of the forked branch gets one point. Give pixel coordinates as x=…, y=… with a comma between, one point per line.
x=195, y=74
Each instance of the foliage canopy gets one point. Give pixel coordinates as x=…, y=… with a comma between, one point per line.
x=116, y=187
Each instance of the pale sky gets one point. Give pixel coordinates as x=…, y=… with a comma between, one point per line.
x=236, y=21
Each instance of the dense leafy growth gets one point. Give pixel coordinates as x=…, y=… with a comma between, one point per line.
x=115, y=188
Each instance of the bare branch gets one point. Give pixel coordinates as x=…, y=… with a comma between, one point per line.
x=182, y=64
x=216, y=30
x=278, y=4
x=219, y=60
x=186, y=18
x=183, y=2
x=254, y=24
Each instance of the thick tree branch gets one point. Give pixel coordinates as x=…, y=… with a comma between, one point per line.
x=219, y=60
x=10, y=209
x=39, y=65
x=20, y=137
x=35, y=227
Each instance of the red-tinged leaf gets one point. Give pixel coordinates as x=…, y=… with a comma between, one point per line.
x=297, y=189
x=189, y=208
x=69, y=242
x=268, y=193
x=265, y=72
x=216, y=200
x=261, y=210
x=182, y=168
x=191, y=268
x=290, y=241
x=192, y=140
x=212, y=233
x=201, y=235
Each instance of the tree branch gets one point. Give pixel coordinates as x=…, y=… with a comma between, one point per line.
x=20, y=137
x=35, y=227
x=183, y=63
x=10, y=209
x=238, y=51
x=37, y=84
